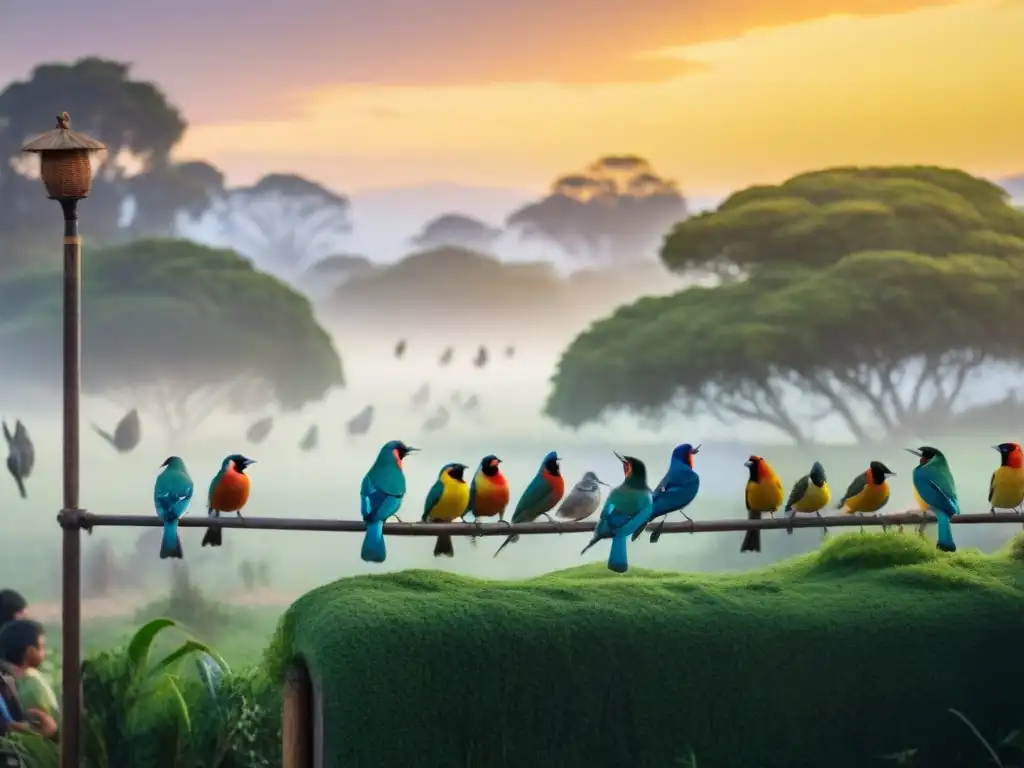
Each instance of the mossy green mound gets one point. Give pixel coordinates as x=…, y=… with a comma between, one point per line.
x=831, y=659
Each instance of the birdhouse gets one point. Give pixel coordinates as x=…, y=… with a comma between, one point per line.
x=65, y=160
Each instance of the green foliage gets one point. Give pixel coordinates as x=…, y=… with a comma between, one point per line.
x=815, y=219
x=832, y=658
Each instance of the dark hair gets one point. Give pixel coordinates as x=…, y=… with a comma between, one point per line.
x=17, y=637
x=11, y=603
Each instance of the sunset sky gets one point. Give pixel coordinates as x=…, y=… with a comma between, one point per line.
x=716, y=93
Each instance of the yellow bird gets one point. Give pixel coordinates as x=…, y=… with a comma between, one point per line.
x=763, y=493
x=1006, y=488
x=447, y=501
x=867, y=493
x=810, y=495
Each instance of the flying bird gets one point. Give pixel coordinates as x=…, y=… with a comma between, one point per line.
x=172, y=494
x=438, y=421
x=763, y=493
x=310, y=439
x=868, y=492
x=481, y=357
x=21, y=455
x=1006, y=488
x=400, y=349
x=540, y=497
x=446, y=357
x=421, y=396
x=127, y=433
x=447, y=502
x=627, y=509
x=676, y=491
x=381, y=495
x=259, y=430
x=229, y=492
x=489, y=492
x=810, y=494
x=360, y=423
x=934, y=484
x=583, y=500
x=472, y=404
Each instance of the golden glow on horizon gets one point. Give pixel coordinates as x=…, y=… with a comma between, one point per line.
x=939, y=85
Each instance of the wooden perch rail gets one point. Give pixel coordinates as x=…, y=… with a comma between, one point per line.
x=88, y=521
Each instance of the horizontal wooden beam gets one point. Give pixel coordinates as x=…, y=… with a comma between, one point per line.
x=88, y=521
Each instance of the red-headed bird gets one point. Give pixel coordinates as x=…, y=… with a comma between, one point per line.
x=763, y=493
x=540, y=497
x=229, y=492
x=488, y=493
x=1006, y=488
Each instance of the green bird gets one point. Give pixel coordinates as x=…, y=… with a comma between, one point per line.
x=935, y=486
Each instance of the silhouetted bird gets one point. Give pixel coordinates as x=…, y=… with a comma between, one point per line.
x=472, y=404
x=481, y=357
x=126, y=434
x=510, y=351
x=259, y=430
x=421, y=396
x=446, y=356
x=400, y=348
x=21, y=455
x=311, y=438
x=360, y=423
x=438, y=421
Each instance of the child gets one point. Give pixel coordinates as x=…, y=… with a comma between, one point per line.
x=12, y=606
x=22, y=650
x=13, y=718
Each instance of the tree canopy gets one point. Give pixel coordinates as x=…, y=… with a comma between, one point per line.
x=817, y=218
x=614, y=211
x=458, y=230
x=175, y=328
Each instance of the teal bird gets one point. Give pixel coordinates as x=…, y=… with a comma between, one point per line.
x=540, y=497
x=934, y=484
x=380, y=497
x=627, y=509
x=172, y=494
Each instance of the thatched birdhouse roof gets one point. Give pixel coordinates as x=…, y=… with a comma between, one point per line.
x=62, y=138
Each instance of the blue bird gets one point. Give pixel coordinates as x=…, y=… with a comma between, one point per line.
x=540, y=497
x=627, y=509
x=172, y=494
x=676, y=491
x=380, y=497
x=935, y=486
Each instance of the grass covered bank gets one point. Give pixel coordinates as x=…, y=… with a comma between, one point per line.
x=834, y=658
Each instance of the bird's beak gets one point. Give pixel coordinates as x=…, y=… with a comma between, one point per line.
x=997, y=448
x=748, y=464
x=497, y=461
x=410, y=449
x=618, y=456
x=913, y=451
x=889, y=474
x=601, y=482
x=697, y=449
x=250, y=462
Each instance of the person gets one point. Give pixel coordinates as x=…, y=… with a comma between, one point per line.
x=12, y=606
x=13, y=719
x=22, y=650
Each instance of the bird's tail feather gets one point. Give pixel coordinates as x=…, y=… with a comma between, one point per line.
x=789, y=528
x=752, y=541
x=444, y=546
x=105, y=435
x=170, y=543
x=21, y=487
x=945, y=538
x=373, y=550
x=213, y=536
x=510, y=540
x=617, y=559
x=590, y=543
x=638, y=531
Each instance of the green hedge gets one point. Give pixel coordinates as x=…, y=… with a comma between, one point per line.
x=830, y=659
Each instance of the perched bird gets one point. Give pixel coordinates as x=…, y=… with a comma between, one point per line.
x=446, y=357
x=763, y=493
x=229, y=492
x=127, y=433
x=677, y=489
x=381, y=495
x=627, y=509
x=540, y=497
x=488, y=493
x=1006, y=488
x=446, y=502
x=421, y=396
x=481, y=357
x=510, y=351
x=400, y=349
x=934, y=484
x=438, y=421
x=21, y=455
x=172, y=494
x=583, y=500
x=310, y=439
x=259, y=430
x=360, y=423
x=810, y=494
x=868, y=492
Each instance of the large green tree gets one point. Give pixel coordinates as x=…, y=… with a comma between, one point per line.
x=886, y=341
x=817, y=218
x=176, y=329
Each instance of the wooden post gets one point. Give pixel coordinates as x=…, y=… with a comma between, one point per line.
x=297, y=718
